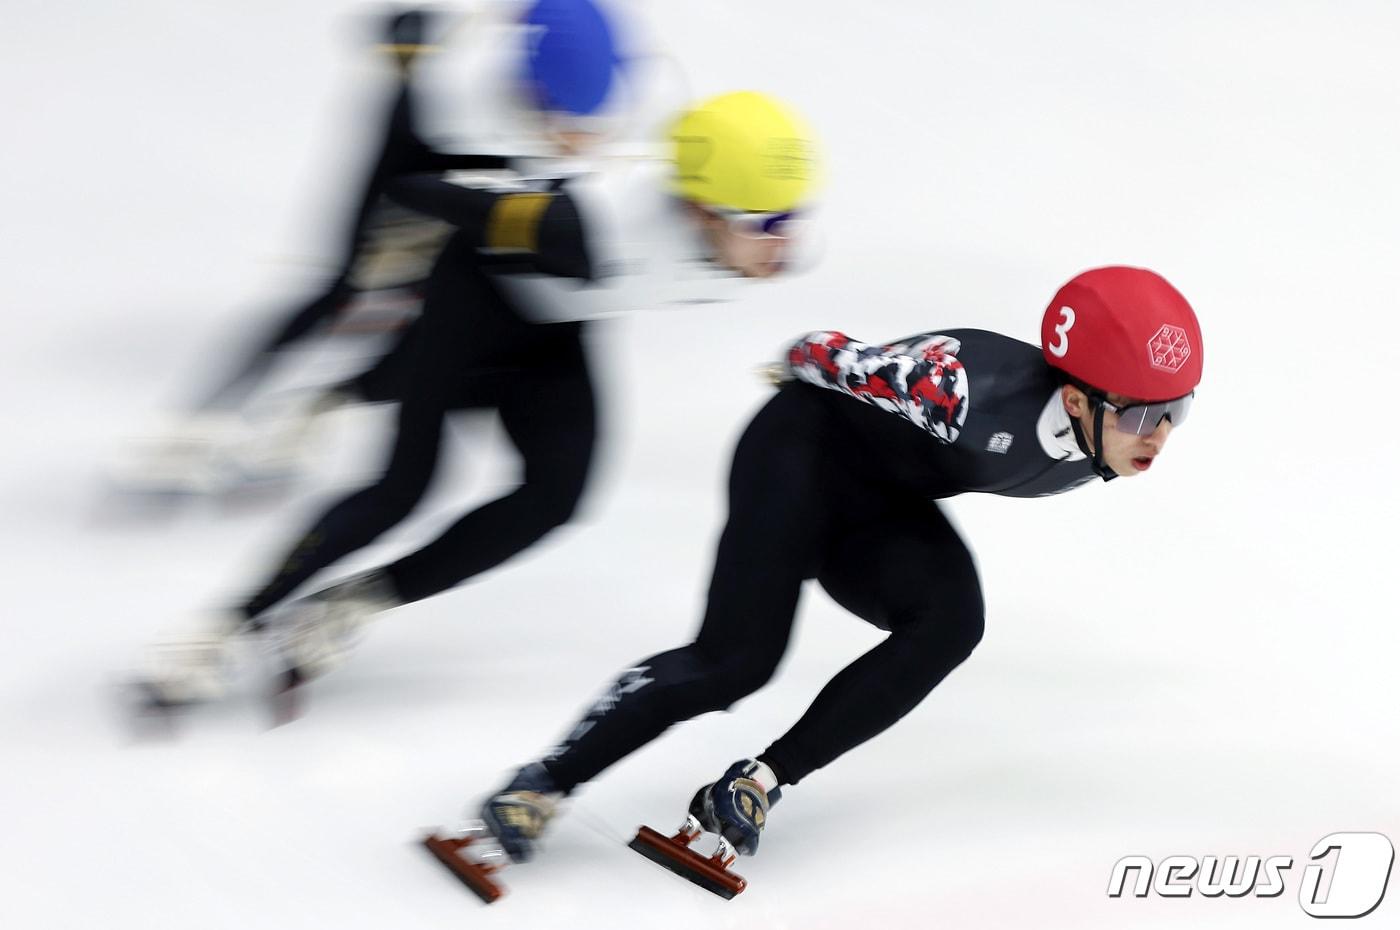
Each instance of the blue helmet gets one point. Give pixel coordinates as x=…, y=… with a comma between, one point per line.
x=572, y=57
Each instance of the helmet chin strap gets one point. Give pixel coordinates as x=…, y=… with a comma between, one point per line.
x=1096, y=453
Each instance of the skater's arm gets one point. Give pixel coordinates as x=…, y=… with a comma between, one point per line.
x=403, y=151
x=541, y=227
x=432, y=160
x=919, y=379
x=465, y=207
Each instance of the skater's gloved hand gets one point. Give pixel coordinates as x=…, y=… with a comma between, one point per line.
x=779, y=373
x=774, y=373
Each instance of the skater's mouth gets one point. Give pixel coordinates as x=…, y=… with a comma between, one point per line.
x=1143, y=462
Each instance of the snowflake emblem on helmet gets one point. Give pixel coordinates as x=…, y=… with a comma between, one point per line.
x=1169, y=349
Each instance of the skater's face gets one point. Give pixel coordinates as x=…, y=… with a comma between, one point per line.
x=1127, y=454
x=750, y=244
x=574, y=141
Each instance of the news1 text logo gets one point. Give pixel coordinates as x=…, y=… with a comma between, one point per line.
x=1347, y=877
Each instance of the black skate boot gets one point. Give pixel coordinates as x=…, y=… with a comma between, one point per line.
x=736, y=808
x=518, y=813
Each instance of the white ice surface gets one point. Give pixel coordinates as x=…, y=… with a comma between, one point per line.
x=1201, y=661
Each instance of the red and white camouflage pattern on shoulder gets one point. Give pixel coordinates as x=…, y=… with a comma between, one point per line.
x=919, y=378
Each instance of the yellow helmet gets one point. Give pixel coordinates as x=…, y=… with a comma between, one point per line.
x=744, y=151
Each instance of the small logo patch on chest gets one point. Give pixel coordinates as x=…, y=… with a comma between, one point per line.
x=1000, y=442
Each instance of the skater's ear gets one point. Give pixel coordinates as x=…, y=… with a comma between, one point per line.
x=1076, y=401
x=705, y=218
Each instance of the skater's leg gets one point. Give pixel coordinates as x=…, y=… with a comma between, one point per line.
x=464, y=333
x=359, y=519
x=911, y=575
x=770, y=544
x=468, y=337
x=548, y=412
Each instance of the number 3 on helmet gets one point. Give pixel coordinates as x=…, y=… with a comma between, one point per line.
x=1133, y=334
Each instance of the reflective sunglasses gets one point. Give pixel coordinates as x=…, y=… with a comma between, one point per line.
x=1143, y=419
x=757, y=225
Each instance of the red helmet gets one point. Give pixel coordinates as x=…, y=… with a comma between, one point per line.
x=1124, y=331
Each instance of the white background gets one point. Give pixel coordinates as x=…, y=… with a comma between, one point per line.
x=1200, y=661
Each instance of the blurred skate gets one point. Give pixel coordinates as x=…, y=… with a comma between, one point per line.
x=736, y=809
x=277, y=653
x=278, y=446
x=228, y=456
x=315, y=634
x=175, y=461
x=181, y=672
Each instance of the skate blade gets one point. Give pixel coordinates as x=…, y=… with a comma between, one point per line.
x=113, y=505
x=148, y=716
x=287, y=701
x=475, y=875
x=671, y=853
x=143, y=697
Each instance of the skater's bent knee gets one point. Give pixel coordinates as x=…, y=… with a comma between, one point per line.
x=552, y=504
x=968, y=635
x=738, y=677
x=695, y=682
x=938, y=635
x=391, y=508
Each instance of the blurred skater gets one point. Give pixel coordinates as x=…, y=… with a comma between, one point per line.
x=554, y=81
x=502, y=328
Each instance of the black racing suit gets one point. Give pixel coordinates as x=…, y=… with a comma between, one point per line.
x=826, y=486
x=472, y=348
